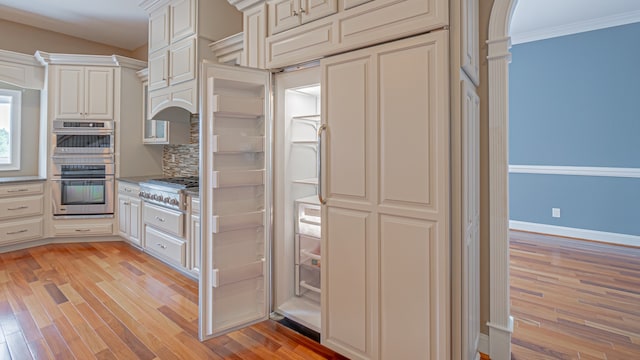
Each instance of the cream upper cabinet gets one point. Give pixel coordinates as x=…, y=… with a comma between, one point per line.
x=170, y=23
x=287, y=14
x=385, y=177
x=178, y=31
x=84, y=92
x=182, y=18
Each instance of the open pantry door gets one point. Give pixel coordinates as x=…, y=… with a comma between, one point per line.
x=235, y=193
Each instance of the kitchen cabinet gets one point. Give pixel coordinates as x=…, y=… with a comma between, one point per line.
x=194, y=237
x=366, y=24
x=129, y=212
x=178, y=29
x=164, y=234
x=83, y=92
x=21, y=212
x=158, y=131
x=287, y=14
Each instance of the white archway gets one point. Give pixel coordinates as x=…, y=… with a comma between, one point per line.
x=499, y=42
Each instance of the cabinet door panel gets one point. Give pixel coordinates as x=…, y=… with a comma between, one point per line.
x=182, y=62
x=470, y=40
x=406, y=260
x=123, y=216
x=159, y=71
x=158, y=29
x=183, y=19
x=316, y=9
x=99, y=93
x=135, y=218
x=346, y=95
x=281, y=15
x=69, y=92
x=349, y=282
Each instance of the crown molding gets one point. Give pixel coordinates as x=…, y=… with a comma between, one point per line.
x=576, y=27
x=242, y=5
x=18, y=58
x=46, y=58
x=129, y=63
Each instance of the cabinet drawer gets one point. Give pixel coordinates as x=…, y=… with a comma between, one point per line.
x=20, y=190
x=129, y=189
x=167, y=220
x=82, y=229
x=165, y=246
x=21, y=207
x=13, y=231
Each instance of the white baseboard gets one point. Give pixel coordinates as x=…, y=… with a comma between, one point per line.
x=602, y=236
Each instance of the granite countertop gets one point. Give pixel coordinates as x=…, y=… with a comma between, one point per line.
x=17, y=179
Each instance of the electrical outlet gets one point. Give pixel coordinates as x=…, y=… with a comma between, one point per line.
x=555, y=212
x=173, y=158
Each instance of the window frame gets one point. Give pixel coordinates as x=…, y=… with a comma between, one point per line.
x=14, y=130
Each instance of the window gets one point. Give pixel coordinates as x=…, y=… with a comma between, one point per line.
x=10, y=105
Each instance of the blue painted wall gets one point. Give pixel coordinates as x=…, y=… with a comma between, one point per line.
x=575, y=101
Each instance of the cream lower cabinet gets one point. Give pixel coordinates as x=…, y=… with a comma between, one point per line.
x=385, y=161
x=129, y=213
x=194, y=237
x=21, y=209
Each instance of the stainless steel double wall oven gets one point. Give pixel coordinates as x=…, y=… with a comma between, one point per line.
x=82, y=167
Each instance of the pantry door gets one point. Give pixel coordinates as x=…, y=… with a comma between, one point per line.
x=235, y=193
x=385, y=178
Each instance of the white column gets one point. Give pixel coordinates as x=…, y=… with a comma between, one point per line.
x=500, y=321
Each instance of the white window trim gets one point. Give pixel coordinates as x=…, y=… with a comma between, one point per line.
x=16, y=116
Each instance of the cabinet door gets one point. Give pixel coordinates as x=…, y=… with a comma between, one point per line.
x=123, y=216
x=158, y=29
x=98, y=93
x=69, y=92
x=283, y=15
x=159, y=70
x=183, y=19
x=385, y=270
x=470, y=38
x=195, y=243
x=135, y=218
x=316, y=9
x=182, y=61
x=471, y=220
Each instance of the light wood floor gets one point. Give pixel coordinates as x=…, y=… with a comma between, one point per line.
x=574, y=299
x=110, y=301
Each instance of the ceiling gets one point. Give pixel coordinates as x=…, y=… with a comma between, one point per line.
x=119, y=23
x=123, y=23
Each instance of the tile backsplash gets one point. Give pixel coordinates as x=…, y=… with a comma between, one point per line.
x=182, y=160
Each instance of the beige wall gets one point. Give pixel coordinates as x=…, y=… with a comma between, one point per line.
x=141, y=53
x=483, y=92
x=27, y=40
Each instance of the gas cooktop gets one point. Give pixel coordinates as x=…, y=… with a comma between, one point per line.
x=179, y=182
x=168, y=192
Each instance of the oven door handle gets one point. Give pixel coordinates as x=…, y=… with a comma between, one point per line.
x=87, y=179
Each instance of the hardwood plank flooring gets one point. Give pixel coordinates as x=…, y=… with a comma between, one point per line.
x=574, y=299
x=111, y=301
